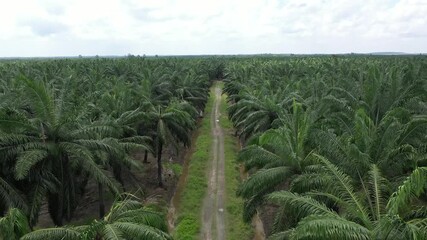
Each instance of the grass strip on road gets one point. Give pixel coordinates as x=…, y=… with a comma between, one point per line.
x=191, y=201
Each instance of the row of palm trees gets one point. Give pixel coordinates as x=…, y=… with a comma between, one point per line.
x=337, y=144
x=66, y=122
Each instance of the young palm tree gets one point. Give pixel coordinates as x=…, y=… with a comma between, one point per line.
x=395, y=144
x=330, y=206
x=276, y=156
x=256, y=113
x=193, y=89
x=127, y=219
x=363, y=111
x=13, y=225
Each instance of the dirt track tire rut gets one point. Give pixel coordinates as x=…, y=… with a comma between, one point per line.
x=213, y=215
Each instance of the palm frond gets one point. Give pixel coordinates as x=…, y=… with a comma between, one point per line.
x=14, y=224
x=257, y=156
x=343, y=188
x=86, y=161
x=53, y=234
x=393, y=227
x=106, y=145
x=119, y=207
x=311, y=181
x=280, y=236
x=26, y=161
x=263, y=180
x=413, y=186
x=377, y=185
x=111, y=232
x=301, y=206
x=135, y=230
x=40, y=97
x=93, y=131
x=143, y=216
x=329, y=227
x=16, y=122
x=9, y=196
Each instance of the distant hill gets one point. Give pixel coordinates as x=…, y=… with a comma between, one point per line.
x=392, y=53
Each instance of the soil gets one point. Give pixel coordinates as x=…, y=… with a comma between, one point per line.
x=267, y=215
x=142, y=184
x=259, y=219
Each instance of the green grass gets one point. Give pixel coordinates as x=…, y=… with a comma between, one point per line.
x=237, y=229
x=191, y=201
x=175, y=167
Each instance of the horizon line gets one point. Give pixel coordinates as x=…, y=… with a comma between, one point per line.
x=391, y=53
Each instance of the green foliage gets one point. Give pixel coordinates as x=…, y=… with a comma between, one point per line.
x=63, y=122
x=412, y=187
x=13, y=225
x=188, y=221
x=188, y=227
x=127, y=219
x=277, y=155
x=343, y=132
x=175, y=167
x=328, y=227
x=328, y=139
x=350, y=218
x=234, y=205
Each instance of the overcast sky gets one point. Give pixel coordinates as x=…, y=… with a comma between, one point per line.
x=172, y=27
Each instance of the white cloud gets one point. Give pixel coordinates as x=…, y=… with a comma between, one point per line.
x=89, y=27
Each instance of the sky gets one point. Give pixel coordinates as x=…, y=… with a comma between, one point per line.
x=30, y=28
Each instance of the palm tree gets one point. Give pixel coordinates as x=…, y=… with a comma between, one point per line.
x=173, y=125
x=151, y=91
x=330, y=206
x=256, y=113
x=127, y=219
x=193, y=89
x=124, y=141
x=155, y=85
x=275, y=157
x=395, y=144
x=50, y=148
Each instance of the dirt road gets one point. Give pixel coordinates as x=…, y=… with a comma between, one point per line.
x=213, y=219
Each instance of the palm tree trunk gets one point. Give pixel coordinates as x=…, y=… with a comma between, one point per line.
x=159, y=164
x=117, y=172
x=101, y=200
x=56, y=203
x=55, y=208
x=83, y=184
x=146, y=157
